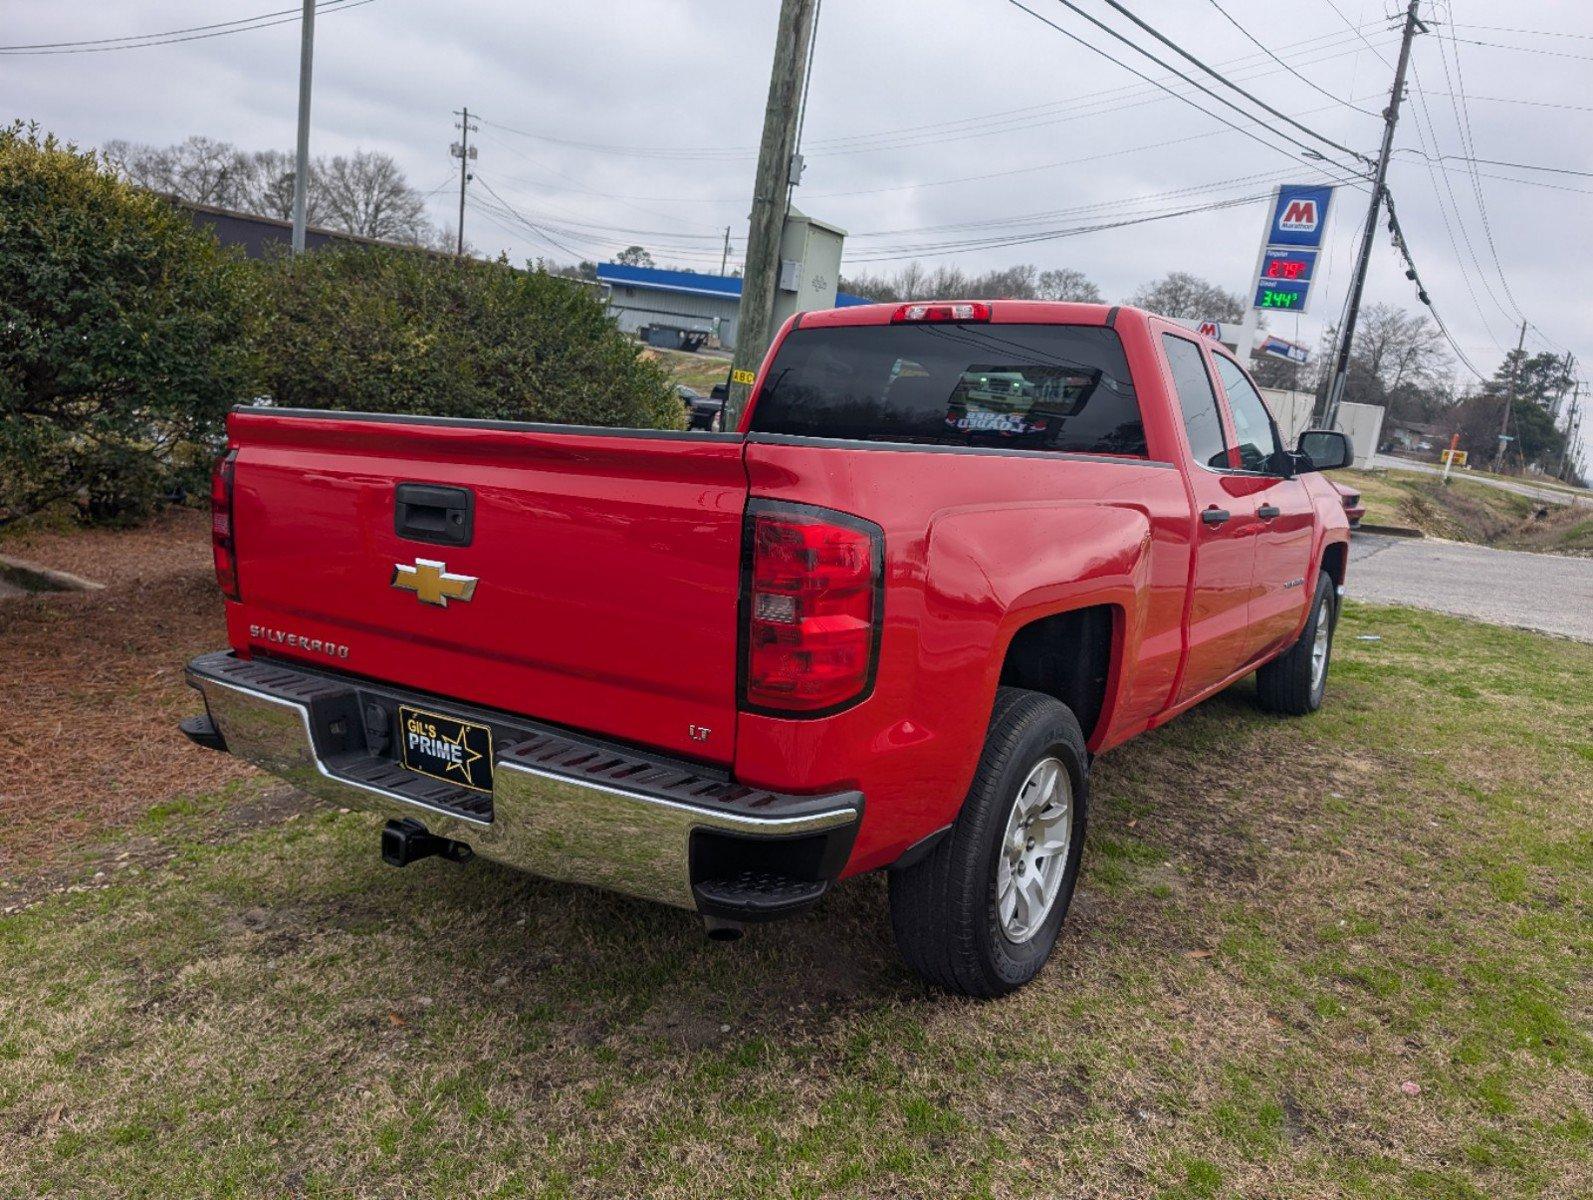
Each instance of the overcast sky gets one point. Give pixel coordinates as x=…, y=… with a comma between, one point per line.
x=638, y=120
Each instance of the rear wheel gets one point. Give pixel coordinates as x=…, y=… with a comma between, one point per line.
x=981, y=913
x=1295, y=682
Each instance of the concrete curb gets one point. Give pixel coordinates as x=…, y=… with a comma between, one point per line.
x=1389, y=530
x=59, y=580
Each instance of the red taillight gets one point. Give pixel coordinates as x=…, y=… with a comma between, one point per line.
x=924, y=314
x=812, y=609
x=221, y=533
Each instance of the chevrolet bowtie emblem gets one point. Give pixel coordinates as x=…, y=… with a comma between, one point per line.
x=431, y=582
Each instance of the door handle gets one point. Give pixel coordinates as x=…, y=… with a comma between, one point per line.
x=1215, y=516
x=1268, y=511
x=433, y=513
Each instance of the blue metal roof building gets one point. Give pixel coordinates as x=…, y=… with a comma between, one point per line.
x=644, y=296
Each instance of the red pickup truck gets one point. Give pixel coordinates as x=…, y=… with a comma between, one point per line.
x=954, y=551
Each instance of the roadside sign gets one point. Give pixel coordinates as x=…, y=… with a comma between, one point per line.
x=1299, y=215
x=1292, y=296
x=1283, y=265
x=1290, y=247
x=1212, y=329
x=1277, y=347
x=1453, y=456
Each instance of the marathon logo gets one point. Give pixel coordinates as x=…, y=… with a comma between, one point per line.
x=280, y=637
x=1300, y=216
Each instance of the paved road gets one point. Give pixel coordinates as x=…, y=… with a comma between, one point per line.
x=1547, y=592
x=1531, y=491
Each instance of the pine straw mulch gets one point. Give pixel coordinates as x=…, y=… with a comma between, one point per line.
x=91, y=685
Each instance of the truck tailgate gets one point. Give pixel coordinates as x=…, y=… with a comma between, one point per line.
x=606, y=565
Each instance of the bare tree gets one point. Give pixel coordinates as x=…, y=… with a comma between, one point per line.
x=1066, y=283
x=1399, y=359
x=199, y=169
x=1400, y=348
x=366, y=194
x=1180, y=294
x=1022, y=281
x=270, y=187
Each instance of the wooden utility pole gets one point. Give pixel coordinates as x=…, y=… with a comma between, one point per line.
x=1510, y=398
x=1352, y=309
x=1573, y=426
x=770, y=200
x=463, y=149
x=724, y=259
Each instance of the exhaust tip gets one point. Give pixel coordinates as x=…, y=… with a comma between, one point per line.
x=720, y=930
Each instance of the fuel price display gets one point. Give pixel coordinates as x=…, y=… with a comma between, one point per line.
x=1287, y=266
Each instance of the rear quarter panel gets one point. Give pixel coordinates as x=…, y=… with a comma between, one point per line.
x=976, y=547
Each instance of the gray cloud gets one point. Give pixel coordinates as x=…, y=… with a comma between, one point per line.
x=677, y=74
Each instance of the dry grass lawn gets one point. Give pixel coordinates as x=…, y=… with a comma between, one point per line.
x=91, y=683
x=1465, y=510
x=1350, y=955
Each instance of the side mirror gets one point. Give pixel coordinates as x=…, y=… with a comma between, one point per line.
x=1325, y=449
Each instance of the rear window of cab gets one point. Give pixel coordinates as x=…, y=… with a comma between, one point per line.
x=1023, y=387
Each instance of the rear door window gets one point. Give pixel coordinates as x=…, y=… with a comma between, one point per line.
x=1028, y=387
x=1197, y=400
x=1252, y=423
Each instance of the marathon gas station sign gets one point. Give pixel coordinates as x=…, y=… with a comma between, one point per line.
x=1293, y=242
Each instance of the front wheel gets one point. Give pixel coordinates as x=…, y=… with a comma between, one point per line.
x=981, y=913
x=1295, y=682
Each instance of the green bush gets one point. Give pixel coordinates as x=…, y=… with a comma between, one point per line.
x=379, y=330
x=125, y=334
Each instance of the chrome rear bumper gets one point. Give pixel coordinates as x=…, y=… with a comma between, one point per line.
x=561, y=807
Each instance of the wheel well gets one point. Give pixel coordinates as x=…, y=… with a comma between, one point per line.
x=1334, y=556
x=1067, y=655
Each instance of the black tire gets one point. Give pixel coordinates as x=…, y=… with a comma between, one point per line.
x=944, y=907
x=1287, y=684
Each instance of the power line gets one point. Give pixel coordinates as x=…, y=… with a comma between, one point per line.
x=906, y=137
x=1519, y=166
x=1403, y=247
x=1071, y=104
x=546, y=237
x=932, y=250
x=1523, y=49
x=1198, y=108
x=1247, y=182
x=193, y=33
x=1220, y=77
x=1523, y=100
x=1268, y=52
x=1463, y=123
x=591, y=235
x=1434, y=167
x=1560, y=33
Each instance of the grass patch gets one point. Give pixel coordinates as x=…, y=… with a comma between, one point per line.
x=1280, y=924
x=1465, y=510
x=700, y=370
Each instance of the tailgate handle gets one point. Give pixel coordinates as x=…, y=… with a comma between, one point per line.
x=428, y=512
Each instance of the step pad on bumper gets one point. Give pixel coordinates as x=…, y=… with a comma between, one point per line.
x=562, y=806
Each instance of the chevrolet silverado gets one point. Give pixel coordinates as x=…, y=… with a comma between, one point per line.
x=954, y=551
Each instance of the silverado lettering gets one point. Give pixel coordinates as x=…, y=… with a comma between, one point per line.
x=955, y=550
x=260, y=633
